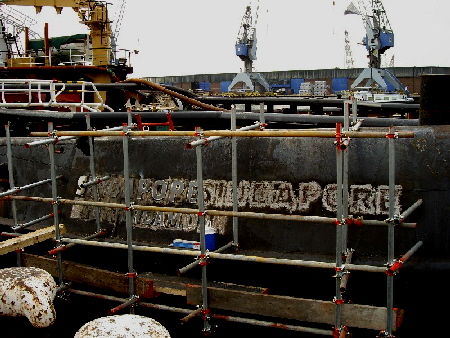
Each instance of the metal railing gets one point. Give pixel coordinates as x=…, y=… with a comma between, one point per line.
x=45, y=94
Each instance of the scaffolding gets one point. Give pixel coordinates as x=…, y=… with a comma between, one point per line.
x=342, y=137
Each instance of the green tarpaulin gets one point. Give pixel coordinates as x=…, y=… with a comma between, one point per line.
x=57, y=41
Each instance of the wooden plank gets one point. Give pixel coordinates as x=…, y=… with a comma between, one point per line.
x=306, y=310
x=176, y=285
x=75, y=272
x=6, y=221
x=28, y=239
x=91, y=276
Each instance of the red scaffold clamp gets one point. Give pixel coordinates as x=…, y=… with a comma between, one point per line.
x=354, y=221
x=57, y=249
x=341, y=142
x=130, y=208
x=340, y=332
x=199, y=132
x=391, y=134
x=207, y=329
x=394, y=267
x=205, y=312
x=384, y=334
x=340, y=271
x=203, y=260
x=338, y=301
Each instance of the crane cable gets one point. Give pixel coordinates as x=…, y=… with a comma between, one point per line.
x=256, y=12
x=118, y=16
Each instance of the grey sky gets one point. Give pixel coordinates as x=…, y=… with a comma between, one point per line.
x=176, y=37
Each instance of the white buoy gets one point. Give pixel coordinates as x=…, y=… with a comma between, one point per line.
x=29, y=292
x=123, y=326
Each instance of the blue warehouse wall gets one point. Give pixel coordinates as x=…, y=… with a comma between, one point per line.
x=339, y=84
x=295, y=85
x=224, y=86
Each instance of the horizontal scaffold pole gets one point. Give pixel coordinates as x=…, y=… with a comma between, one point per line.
x=216, y=316
x=229, y=133
x=242, y=214
x=242, y=258
x=34, y=221
x=206, y=141
x=25, y=187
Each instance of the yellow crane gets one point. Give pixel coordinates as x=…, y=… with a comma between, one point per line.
x=94, y=14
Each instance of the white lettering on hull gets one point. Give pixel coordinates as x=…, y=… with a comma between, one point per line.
x=267, y=196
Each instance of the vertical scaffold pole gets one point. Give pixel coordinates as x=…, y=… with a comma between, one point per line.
x=262, y=118
x=354, y=110
x=345, y=179
x=12, y=184
x=51, y=150
x=234, y=179
x=391, y=233
x=93, y=174
x=201, y=224
x=346, y=251
x=339, y=222
x=128, y=214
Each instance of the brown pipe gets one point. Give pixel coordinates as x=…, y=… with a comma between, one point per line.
x=46, y=45
x=175, y=94
x=27, y=41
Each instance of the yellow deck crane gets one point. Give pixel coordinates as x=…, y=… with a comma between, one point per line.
x=104, y=68
x=94, y=14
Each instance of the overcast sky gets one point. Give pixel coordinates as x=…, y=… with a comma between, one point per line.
x=176, y=37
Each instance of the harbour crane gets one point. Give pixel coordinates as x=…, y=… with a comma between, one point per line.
x=379, y=38
x=246, y=50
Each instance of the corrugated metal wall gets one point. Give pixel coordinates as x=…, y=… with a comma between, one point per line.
x=291, y=76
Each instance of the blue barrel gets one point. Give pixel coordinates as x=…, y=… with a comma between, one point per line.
x=210, y=238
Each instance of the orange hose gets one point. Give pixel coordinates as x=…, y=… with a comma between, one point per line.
x=175, y=94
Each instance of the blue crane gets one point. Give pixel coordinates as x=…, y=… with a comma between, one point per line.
x=246, y=50
x=379, y=38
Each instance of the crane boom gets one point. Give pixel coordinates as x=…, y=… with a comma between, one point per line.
x=379, y=34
